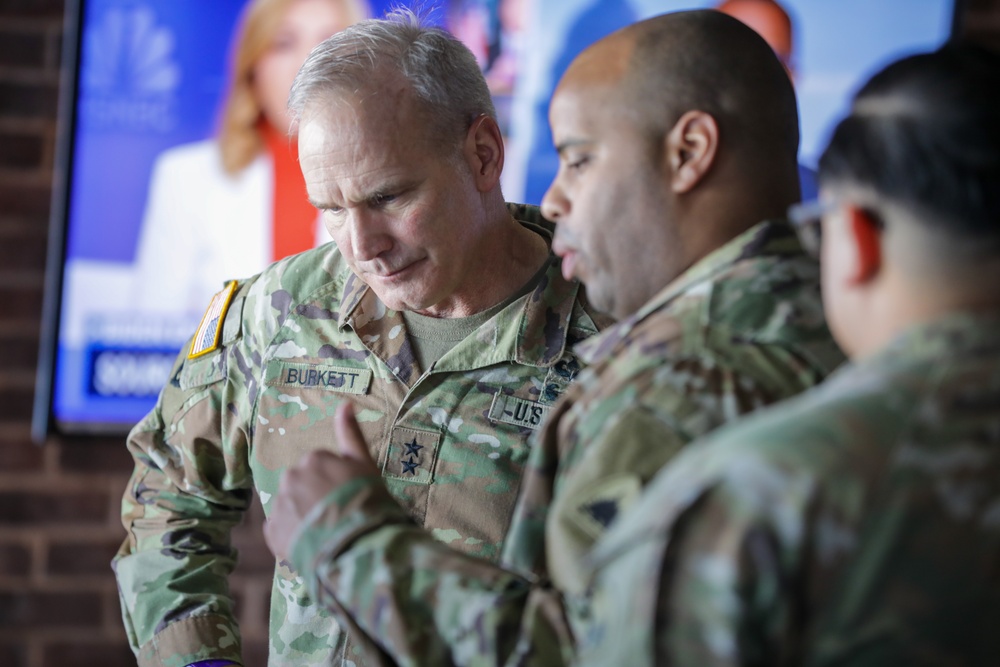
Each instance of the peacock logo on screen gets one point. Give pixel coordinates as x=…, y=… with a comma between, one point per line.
x=130, y=76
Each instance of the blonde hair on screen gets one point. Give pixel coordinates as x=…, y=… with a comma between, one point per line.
x=239, y=140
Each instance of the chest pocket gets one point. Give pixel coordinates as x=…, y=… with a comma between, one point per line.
x=295, y=412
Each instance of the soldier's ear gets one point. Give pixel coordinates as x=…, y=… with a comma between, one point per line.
x=691, y=147
x=865, y=240
x=483, y=152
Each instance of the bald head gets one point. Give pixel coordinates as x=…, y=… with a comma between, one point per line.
x=706, y=61
x=679, y=133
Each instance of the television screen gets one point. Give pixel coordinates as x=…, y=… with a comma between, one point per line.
x=172, y=170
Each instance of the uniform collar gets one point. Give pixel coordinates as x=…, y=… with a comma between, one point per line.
x=531, y=331
x=771, y=237
x=943, y=338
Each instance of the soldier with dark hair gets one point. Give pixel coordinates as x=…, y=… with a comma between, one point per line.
x=677, y=139
x=860, y=522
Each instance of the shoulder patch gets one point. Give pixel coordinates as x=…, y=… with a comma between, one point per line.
x=206, y=337
x=603, y=501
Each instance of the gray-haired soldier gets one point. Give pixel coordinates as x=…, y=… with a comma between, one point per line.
x=439, y=312
x=678, y=139
x=859, y=523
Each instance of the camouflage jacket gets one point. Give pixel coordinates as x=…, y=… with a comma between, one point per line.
x=742, y=328
x=857, y=524
x=299, y=338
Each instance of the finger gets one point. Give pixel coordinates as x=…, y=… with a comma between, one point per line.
x=348, y=433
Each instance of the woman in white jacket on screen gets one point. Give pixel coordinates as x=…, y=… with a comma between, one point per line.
x=210, y=213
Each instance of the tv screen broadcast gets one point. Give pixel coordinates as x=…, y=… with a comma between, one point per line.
x=175, y=154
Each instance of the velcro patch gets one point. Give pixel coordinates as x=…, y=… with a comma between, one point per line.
x=604, y=501
x=206, y=337
x=518, y=411
x=334, y=378
x=411, y=455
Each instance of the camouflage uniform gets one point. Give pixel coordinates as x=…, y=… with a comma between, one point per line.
x=300, y=338
x=742, y=328
x=857, y=524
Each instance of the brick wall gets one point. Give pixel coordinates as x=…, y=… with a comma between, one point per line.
x=59, y=503
x=981, y=22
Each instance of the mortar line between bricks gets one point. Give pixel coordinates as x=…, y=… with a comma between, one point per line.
x=32, y=76
x=89, y=534
x=17, y=23
x=37, y=177
x=31, y=124
x=72, y=483
x=71, y=585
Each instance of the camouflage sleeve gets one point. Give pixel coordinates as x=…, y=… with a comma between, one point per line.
x=422, y=602
x=614, y=444
x=190, y=486
x=701, y=575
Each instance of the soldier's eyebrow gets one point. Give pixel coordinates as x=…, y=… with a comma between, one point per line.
x=389, y=187
x=571, y=143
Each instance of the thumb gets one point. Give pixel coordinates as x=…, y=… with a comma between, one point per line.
x=349, y=438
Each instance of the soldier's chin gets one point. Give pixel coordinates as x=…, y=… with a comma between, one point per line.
x=600, y=299
x=397, y=299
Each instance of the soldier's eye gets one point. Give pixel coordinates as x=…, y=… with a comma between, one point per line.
x=334, y=215
x=382, y=199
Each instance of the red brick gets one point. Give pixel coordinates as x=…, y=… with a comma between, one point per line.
x=19, y=454
x=19, y=100
x=252, y=598
x=53, y=8
x=18, y=352
x=22, y=49
x=248, y=538
x=13, y=655
x=78, y=654
x=20, y=150
x=255, y=557
x=34, y=610
x=25, y=199
x=54, y=55
x=15, y=560
x=16, y=403
x=82, y=558
x=984, y=6
x=104, y=454
x=23, y=508
x=254, y=653
x=21, y=303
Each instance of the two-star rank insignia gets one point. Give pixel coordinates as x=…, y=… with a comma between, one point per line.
x=412, y=455
x=413, y=452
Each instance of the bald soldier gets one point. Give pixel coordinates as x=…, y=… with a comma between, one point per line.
x=677, y=138
x=858, y=524
x=438, y=312
x=770, y=20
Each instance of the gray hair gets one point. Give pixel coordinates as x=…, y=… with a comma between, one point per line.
x=441, y=71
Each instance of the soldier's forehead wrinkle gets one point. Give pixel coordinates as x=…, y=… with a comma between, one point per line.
x=352, y=180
